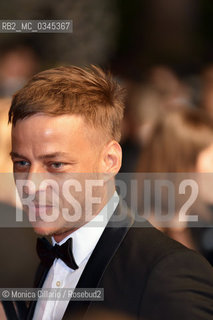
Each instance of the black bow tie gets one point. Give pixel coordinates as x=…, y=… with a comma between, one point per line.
x=48, y=253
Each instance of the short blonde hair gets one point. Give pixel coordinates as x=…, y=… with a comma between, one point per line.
x=88, y=92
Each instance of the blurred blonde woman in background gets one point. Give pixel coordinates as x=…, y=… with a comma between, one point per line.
x=182, y=142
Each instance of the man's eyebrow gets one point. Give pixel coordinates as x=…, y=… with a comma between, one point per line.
x=45, y=156
x=53, y=155
x=17, y=155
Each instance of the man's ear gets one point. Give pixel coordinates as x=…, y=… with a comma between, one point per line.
x=111, y=158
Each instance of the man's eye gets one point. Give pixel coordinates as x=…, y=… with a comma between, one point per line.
x=57, y=165
x=22, y=163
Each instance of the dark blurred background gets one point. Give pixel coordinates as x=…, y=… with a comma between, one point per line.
x=127, y=36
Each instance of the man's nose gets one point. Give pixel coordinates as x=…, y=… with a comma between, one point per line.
x=33, y=183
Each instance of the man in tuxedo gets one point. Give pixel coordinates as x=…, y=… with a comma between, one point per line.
x=65, y=150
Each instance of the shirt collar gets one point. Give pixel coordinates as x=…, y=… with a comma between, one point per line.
x=86, y=237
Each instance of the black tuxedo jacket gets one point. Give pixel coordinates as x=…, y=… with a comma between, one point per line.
x=144, y=274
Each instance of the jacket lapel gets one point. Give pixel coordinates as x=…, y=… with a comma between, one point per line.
x=39, y=280
x=104, y=251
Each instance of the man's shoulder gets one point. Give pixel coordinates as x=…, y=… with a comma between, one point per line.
x=143, y=250
x=142, y=236
x=148, y=247
x=145, y=239
x=179, y=280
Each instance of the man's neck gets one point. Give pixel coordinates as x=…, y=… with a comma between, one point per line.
x=60, y=236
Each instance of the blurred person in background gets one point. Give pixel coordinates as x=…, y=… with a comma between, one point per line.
x=147, y=102
x=182, y=142
x=17, y=65
x=172, y=91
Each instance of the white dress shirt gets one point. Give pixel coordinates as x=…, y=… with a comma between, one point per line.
x=60, y=275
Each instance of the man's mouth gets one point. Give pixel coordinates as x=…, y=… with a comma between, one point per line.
x=38, y=209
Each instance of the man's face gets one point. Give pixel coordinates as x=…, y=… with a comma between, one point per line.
x=57, y=149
